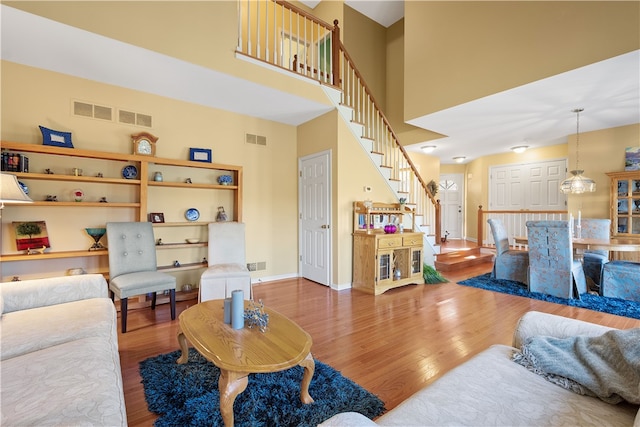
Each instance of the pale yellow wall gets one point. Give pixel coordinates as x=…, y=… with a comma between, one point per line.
x=458, y=51
x=199, y=32
x=600, y=152
x=354, y=172
x=395, y=82
x=365, y=41
x=428, y=166
x=32, y=97
x=351, y=171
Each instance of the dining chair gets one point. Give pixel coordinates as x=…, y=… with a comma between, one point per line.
x=594, y=260
x=552, y=269
x=509, y=264
x=133, y=267
x=621, y=279
x=227, y=269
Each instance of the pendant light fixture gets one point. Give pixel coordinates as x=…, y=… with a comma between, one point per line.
x=578, y=183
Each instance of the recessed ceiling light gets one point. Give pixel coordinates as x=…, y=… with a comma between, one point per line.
x=519, y=149
x=428, y=148
x=459, y=159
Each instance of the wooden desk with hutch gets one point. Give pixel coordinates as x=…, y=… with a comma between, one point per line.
x=383, y=261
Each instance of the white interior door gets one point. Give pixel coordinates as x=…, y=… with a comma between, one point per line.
x=534, y=186
x=315, y=215
x=451, y=190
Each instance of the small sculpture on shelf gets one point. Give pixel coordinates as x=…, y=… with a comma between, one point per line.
x=103, y=199
x=33, y=251
x=222, y=215
x=176, y=263
x=188, y=181
x=204, y=260
x=159, y=242
x=225, y=180
x=48, y=171
x=51, y=198
x=99, y=175
x=96, y=234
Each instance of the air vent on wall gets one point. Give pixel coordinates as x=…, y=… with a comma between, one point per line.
x=132, y=118
x=85, y=109
x=255, y=139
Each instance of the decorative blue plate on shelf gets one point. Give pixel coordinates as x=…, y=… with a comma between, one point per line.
x=130, y=172
x=192, y=214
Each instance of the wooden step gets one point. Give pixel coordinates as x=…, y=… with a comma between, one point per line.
x=462, y=258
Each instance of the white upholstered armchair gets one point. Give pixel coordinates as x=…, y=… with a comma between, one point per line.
x=227, y=270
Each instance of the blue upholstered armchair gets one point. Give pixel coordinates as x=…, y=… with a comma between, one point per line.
x=594, y=260
x=509, y=264
x=133, y=268
x=552, y=269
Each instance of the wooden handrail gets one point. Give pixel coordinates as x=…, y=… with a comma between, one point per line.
x=354, y=88
x=386, y=122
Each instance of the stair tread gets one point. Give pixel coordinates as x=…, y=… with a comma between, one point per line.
x=447, y=261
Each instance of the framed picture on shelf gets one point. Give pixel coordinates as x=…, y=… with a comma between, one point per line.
x=56, y=138
x=632, y=159
x=156, y=217
x=200, y=155
x=31, y=235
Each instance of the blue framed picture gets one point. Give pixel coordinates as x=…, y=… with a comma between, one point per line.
x=200, y=155
x=56, y=137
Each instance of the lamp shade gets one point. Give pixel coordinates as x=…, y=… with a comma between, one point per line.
x=577, y=184
x=11, y=191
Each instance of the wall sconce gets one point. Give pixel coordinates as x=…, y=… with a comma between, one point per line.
x=428, y=148
x=519, y=149
x=459, y=159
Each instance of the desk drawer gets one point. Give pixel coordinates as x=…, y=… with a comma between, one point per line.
x=412, y=241
x=390, y=242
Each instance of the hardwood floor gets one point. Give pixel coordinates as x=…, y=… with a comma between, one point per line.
x=393, y=344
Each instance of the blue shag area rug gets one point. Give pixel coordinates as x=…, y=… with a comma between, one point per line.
x=615, y=306
x=187, y=395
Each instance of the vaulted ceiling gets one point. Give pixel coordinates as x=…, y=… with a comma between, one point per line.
x=537, y=114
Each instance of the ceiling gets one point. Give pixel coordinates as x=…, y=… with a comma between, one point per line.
x=384, y=12
x=537, y=114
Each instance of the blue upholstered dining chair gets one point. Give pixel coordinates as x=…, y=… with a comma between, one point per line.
x=552, y=269
x=133, y=267
x=594, y=260
x=509, y=264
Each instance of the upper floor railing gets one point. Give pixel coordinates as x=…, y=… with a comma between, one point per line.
x=285, y=36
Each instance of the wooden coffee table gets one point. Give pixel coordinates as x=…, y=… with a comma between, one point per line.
x=240, y=352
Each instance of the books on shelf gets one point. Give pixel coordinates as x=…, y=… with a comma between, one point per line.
x=14, y=162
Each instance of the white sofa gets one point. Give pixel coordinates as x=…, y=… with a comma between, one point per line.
x=60, y=362
x=492, y=390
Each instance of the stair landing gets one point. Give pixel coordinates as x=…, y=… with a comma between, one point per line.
x=461, y=258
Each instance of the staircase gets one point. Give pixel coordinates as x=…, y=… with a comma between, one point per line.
x=279, y=33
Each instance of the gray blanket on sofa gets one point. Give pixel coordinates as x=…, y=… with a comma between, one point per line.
x=606, y=366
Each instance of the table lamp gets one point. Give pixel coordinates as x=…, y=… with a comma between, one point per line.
x=11, y=191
